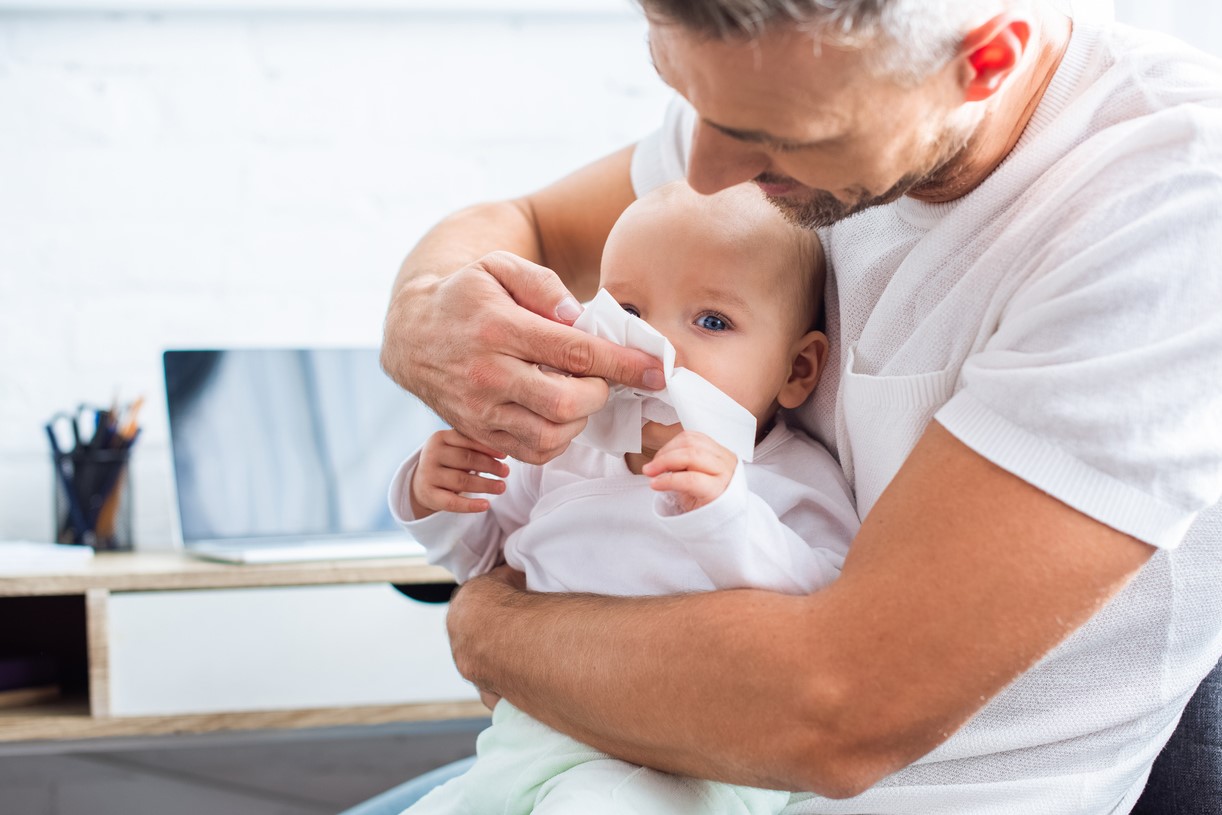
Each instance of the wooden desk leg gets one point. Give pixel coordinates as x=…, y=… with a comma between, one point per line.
x=98, y=644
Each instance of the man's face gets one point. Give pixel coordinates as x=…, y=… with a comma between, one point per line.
x=821, y=136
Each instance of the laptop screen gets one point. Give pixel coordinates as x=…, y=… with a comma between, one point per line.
x=287, y=443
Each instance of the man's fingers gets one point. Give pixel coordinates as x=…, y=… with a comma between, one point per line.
x=533, y=287
x=471, y=343
x=578, y=353
x=559, y=398
x=528, y=437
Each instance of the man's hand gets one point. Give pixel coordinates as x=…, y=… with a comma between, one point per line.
x=450, y=464
x=468, y=617
x=466, y=614
x=694, y=467
x=471, y=344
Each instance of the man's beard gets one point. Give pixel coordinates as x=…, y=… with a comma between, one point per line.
x=820, y=208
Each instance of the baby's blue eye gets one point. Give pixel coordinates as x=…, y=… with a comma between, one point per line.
x=631, y=310
x=712, y=322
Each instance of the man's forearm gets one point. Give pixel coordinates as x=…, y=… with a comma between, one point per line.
x=962, y=577
x=470, y=234
x=562, y=227
x=614, y=673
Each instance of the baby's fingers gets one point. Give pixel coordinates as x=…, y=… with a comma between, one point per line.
x=439, y=500
x=463, y=481
x=688, y=458
x=468, y=459
x=452, y=438
x=698, y=488
x=443, y=490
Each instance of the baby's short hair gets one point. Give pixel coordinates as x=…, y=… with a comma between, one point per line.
x=802, y=270
x=810, y=266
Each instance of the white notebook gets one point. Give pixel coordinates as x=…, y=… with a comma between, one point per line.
x=24, y=557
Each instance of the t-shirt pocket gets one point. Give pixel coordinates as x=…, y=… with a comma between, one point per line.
x=881, y=420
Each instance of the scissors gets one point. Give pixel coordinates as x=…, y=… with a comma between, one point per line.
x=76, y=422
x=66, y=472
x=103, y=426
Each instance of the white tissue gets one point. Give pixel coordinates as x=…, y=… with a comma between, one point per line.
x=688, y=398
x=656, y=410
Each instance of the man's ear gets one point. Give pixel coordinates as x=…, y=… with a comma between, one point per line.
x=809, y=356
x=989, y=53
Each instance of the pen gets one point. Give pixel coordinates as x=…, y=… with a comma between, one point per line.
x=104, y=520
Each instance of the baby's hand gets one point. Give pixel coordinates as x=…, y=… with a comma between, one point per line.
x=450, y=464
x=694, y=467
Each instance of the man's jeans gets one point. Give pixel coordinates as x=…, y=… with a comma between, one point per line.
x=1187, y=775
x=399, y=798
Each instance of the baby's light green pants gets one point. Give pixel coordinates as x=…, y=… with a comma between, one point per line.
x=523, y=766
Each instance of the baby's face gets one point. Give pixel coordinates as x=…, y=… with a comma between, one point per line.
x=719, y=302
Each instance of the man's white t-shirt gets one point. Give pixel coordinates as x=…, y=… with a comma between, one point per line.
x=1064, y=320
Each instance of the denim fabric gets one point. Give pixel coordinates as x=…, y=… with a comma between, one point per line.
x=1187, y=776
x=397, y=799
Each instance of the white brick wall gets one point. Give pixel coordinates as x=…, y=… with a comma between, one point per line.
x=223, y=177
x=1197, y=22
x=255, y=178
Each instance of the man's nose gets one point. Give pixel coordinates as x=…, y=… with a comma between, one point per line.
x=719, y=161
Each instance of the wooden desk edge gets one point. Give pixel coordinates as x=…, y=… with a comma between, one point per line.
x=171, y=571
x=66, y=724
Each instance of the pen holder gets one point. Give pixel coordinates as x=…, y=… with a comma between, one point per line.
x=93, y=504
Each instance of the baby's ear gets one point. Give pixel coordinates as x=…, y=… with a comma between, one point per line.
x=809, y=355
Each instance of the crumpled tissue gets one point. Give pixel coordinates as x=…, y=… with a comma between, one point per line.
x=688, y=398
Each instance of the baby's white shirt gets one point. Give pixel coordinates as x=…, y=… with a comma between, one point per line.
x=584, y=523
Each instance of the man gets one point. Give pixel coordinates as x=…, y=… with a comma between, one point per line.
x=1022, y=217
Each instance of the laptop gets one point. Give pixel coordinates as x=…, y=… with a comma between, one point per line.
x=285, y=455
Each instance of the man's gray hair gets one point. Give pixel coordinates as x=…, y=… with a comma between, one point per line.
x=913, y=37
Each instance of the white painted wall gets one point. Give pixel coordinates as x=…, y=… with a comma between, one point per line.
x=221, y=176
x=255, y=178
x=227, y=177
x=1197, y=22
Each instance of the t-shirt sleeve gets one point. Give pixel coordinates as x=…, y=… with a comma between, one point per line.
x=1102, y=383
x=661, y=157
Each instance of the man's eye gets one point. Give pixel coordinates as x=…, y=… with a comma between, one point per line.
x=630, y=309
x=712, y=322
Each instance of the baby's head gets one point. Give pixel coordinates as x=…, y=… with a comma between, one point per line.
x=732, y=285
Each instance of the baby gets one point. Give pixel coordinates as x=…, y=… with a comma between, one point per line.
x=736, y=290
